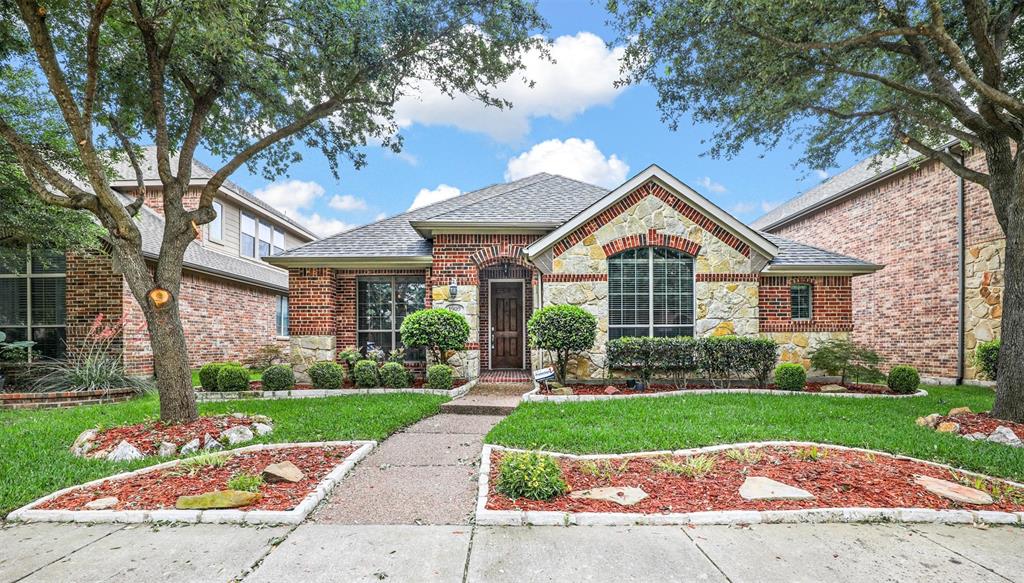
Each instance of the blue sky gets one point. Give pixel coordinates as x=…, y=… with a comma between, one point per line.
x=573, y=122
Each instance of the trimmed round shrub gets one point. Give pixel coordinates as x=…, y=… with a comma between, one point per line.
x=326, y=375
x=437, y=329
x=394, y=376
x=365, y=374
x=208, y=375
x=530, y=475
x=986, y=357
x=440, y=377
x=565, y=330
x=278, y=377
x=903, y=379
x=790, y=377
x=233, y=377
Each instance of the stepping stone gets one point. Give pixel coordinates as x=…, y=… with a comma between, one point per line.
x=762, y=488
x=217, y=499
x=282, y=472
x=101, y=503
x=627, y=496
x=833, y=389
x=953, y=491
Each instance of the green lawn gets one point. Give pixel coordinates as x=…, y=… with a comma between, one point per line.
x=253, y=376
x=630, y=425
x=34, y=456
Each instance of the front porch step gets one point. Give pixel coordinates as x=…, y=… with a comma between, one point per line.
x=485, y=403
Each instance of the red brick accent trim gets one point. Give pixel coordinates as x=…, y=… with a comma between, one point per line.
x=650, y=188
x=575, y=277
x=651, y=239
x=311, y=302
x=345, y=298
x=831, y=308
x=727, y=277
x=64, y=398
x=503, y=253
x=461, y=256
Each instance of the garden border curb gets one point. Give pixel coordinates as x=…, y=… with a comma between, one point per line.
x=485, y=517
x=228, y=516
x=535, y=396
x=218, y=397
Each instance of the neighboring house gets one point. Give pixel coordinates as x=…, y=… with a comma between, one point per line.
x=651, y=257
x=232, y=302
x=943, y=251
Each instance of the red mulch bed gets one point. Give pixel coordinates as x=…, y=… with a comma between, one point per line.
x=417, y=384
x=982, y=423
x=588, y=389
x=841, y=479
x=161, y=488
x=146, y=437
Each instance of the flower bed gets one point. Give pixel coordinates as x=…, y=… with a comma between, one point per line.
x=304, y=391
x=151, y=494
x=846, y=484
x=129, y=442
x=590, y=392
x=976, y=426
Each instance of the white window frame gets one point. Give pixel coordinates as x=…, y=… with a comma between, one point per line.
x=242, y=216
x=216, y=226
x=394, y=330
x=28, y=275
x=810, y=302
x=282, y=319
x=651, y=326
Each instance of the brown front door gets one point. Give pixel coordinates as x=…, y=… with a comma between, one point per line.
x=507, y=324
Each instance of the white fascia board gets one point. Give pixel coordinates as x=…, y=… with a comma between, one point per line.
x=368, y=262
x=820, y=269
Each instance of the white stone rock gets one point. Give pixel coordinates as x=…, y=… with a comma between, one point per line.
x=124, y=452
x=237, y=434
x=953, y=491
x=762, y=488
x=627, y=496
x=976, y=436
x=238, y=415
x=190, y=447
x=84, y=442
x=262, y=428
x=1005, y=436
x=167, y=449
x=101, y=503
x=211, y=444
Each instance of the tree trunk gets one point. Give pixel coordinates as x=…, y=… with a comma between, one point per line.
x=1010, y=379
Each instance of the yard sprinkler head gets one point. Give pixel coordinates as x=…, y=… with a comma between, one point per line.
x=160, y=297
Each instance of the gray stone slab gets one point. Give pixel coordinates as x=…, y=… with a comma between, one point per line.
x=403, y=495
x=427, y=449
x=587, y=553
x=327, y=552
x=25, y=548
x=833, y=552
x=195, y=553
x=473, y=424
x=996, y=547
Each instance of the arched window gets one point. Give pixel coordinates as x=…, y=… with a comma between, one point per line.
x=650, y=293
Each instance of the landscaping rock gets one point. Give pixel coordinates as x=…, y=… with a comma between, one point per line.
x=101, y=503
x=238, y=415
x=217, y=499
x=833, y=389
x=611, y=390
x=190, y=447
x=84, y=442
x=561, y=391
x=211, y=444
x=282, y=472
x=959, y=410
x=124, y=452
x=762, y=488
x=929, y=421
x=626, y=496
x=262, y=428
x=1005, y=436
x=261, y=419
x=237, y=434
x=953, y=491
x=976, y=436
x=166, y=449
x=948, y=427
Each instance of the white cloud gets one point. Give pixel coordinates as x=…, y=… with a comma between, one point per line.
x=711, y=186
x=575, y=158
x=426, y=196
x=294, y=198
x=769, y=205
x=582, y=75
x=324, y=226
x=745, y=207
x=347, y=202
x=822, y=174
x=380, y=217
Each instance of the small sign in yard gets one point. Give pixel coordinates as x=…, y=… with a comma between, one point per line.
x=544, y=374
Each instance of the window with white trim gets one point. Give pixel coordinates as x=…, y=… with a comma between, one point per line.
x=217, y=224
x=281, y=316
x=650, y=293
x=247, y=237
x=382, y=303
x=32, y=300
x=800, y=299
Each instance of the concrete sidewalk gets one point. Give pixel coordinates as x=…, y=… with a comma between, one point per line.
x=314, y=553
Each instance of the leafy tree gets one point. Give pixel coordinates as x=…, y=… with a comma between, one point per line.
x=248, y=80
x=847, y=360
x=868, y=76
x=437, y=329
x=565, y=329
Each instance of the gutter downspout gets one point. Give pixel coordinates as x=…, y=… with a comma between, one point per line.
x=962, y=268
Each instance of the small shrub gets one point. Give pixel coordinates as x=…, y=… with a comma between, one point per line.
x=394, y=376
x=757, y=357
x=245, y=482
x=436, y=329
x=326, y=375
x=745, y=456
x=811, y=454
x=440, y=377
x=790, y=376
x=903, y=379
x=604, y=470
x=696, y=466
x=986, y=358
x=349, y=357
x=279, y=377
x=208, y=375
x=197, y=463
x=365, y=374
x=233, y=377
x=847, y=360
x=530, y=475
x=265, y=357
x=564, y=330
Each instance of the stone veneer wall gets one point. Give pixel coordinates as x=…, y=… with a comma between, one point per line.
x=983, y=296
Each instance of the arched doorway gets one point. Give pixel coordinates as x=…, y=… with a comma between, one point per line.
x=506, y=302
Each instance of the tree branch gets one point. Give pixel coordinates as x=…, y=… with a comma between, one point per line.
x=140, y=179
x=32, y=163
x=867, y=39
x=155, y=68
x=92, y=50
x=946, y=158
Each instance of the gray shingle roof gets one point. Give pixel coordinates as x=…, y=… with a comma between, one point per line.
x=554, y=200
x=796, y=254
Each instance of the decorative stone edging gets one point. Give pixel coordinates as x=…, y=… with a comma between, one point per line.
x=487, y=517
x=214, y=396
x=65, y=398
x=295, y=516
x=535, y=396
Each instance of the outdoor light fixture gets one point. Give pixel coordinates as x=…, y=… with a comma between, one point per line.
x=453, y=289
x=159, y=296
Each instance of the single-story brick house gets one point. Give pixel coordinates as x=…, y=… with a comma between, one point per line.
x=232, y=301
x=650, y=257
x=942, y=247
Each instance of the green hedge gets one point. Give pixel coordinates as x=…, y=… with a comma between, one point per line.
x=790, y=376
x=440, y=377
x=715, y=358
x=394, y=376
x=326, y=375
x=232, y=377
x=903, y=379
x=365, y=374
x=279, y=377
x=986, y=357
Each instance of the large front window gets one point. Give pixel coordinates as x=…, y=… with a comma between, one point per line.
x=382, y=303
x=32, y=300
x=650, y=293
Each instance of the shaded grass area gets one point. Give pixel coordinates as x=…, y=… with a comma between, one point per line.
x=253, y=376
x=34, y=456
x=633, y=425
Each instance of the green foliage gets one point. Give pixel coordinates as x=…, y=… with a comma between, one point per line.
x=232, y=377
x=437, y=329
x=697, y=466
x=564, y=329
x=14, y=351
x=749, y=456
x=790, y=376
x=208, y=375
x=839, y=357
x=394, y=376
x=279, y=377
x=92, y=364
x=530, y=475
x=326, y=375
x=197, y=463
x=986, y=358
x=717, y=358
x=365, y=374
x=349, y=357
x=440, y=377
x=641, y=355
x=903, y=379
x=265, y=357
x=245, y=482
x=811, y=454
x=605, y=469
